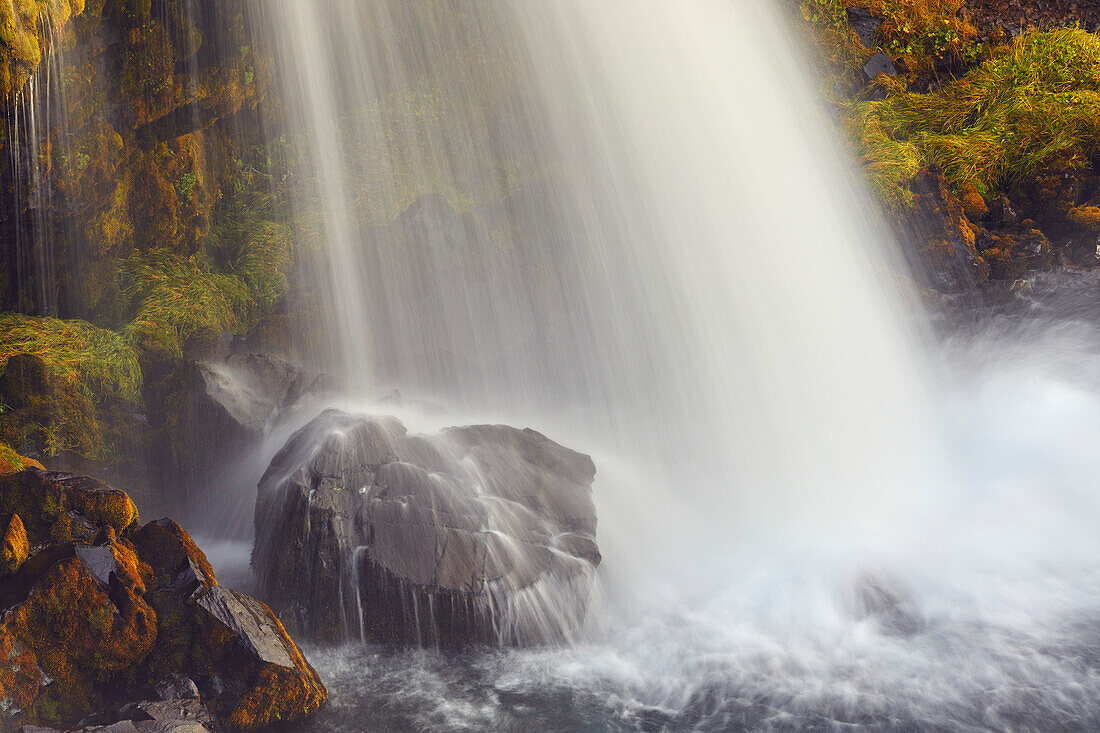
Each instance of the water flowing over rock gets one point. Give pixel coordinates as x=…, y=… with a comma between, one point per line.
x=475, y=534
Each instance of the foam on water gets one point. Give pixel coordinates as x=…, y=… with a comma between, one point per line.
x=990, y=622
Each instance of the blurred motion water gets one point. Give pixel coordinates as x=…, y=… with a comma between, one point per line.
x=627, y=227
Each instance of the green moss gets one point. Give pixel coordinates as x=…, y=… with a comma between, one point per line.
x=1034, y=104
x=185, y=186
x=99, y=622
x=177, y=297
x=105, y=507
x=97, y=362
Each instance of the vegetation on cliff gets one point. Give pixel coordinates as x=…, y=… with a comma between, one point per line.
x=155, y=181
x=981, y=144
x=1034, y=104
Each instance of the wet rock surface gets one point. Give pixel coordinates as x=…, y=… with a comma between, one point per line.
x=475, y=534
x=104, y=615
x=216, y=410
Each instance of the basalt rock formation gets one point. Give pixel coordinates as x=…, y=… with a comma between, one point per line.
x=481, y=534
x=99, y=614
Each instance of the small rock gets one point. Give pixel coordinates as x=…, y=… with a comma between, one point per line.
x=176, y=687
x=880, y=63
x=99, y=561
x=249, y=620
x=865, y=24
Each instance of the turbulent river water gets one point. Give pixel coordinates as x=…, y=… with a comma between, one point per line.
x=627, y=226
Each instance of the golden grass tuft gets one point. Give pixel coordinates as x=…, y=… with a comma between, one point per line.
x=1034, y=103
x=96, y=362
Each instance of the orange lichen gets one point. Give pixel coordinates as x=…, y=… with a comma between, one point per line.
x=14, y=547
x=1085, y=217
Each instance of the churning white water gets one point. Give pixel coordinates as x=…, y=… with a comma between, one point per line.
x=625, y=224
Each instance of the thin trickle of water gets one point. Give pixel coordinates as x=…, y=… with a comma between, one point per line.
x=38, y=107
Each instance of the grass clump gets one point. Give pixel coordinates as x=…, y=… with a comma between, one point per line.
x=177, y=297
x=926, y=34
x=12, y=462
x=250, y=239
x=1033, y=104
x=96, y=362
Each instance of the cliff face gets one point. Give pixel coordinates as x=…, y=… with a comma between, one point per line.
x=975, y=123
x=140, y=221
x=139, y=119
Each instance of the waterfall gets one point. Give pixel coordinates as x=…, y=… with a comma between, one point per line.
x=629, y=226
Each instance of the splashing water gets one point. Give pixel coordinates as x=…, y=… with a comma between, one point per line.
x=627, y=226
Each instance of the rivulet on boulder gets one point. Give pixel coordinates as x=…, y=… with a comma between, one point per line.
x=480, y=534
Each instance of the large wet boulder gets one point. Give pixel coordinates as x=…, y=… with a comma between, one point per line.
x=98, y=614
x=482, y=534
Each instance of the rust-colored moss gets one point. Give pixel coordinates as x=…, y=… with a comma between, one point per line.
x=79, y=637
x=1086, y=217
x=279, y=694
x=105, y=506
x=165, y=545
x=14, y=548
x=973, y=203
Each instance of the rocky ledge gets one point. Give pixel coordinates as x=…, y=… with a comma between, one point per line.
x=100, y=614
x=482, y=534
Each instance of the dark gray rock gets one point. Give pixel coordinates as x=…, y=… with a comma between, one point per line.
x=865, y=24
x=880, y=63
x=187, y=715
x=249, y=620
x=888, y=604
x=476, y=534
x=214, y=411
x=99, y=561
x=252, y=388
x=176, y=687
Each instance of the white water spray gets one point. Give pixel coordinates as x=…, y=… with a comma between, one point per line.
x=626, y=225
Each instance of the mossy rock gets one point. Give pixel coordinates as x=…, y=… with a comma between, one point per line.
x=14, y=548
x=59, y=507
x=12, y=462
x=167, y=545
x=92, y=622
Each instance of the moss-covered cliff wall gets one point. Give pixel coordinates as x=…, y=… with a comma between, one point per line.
x=140, y=221
x=976, y=123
